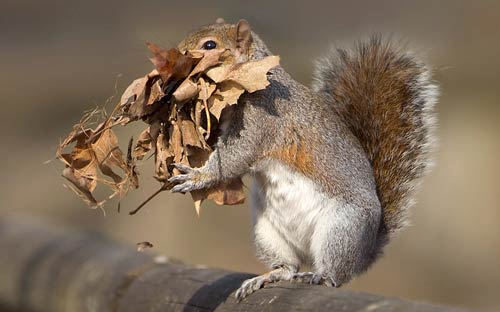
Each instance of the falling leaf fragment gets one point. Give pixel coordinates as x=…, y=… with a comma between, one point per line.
x=142, y=246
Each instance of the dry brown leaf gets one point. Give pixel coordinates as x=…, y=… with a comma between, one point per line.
x=220, y=73
x=139, y=96
x=176, y=142
x=197, y=110
x=230, y=92
x=230, y=193
x=83, y=185
x=197, y=156
x=189, y=134
x=216, y=104
x=81, y=165
x=95, y=152
x=133, y=175
x=143, y=145
x=164, y=156
x=227, y=94
x=197, y=205
x=186, y=91
x=133, y=91
x=204, y=90
x=253, y=75
x=209, y=58
x=154, y=129
x=207, y=90
x=108, y=154
x=250, y=75
x=142, y=246
x=153, y=91
x=171, y=64
x=136, y=88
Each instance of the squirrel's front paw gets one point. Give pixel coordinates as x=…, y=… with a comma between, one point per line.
x=191, y=179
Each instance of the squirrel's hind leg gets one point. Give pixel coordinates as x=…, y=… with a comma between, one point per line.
x=272, y=248
x=275, y=252
x=341, y=250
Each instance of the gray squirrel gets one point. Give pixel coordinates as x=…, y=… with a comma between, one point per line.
x=334, y=166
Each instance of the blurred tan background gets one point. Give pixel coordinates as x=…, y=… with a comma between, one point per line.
x=59, y=58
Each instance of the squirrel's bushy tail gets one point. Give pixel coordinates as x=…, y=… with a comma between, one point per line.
x=386, y=97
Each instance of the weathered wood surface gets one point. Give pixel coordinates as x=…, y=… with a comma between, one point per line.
x=45, y=268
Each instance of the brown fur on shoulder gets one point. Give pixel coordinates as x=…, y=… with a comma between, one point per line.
x=296, y=156
x=386, y=98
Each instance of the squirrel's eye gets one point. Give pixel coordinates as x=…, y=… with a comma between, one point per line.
x=209, y=45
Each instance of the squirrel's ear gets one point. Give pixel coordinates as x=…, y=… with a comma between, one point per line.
x=243, y=36
x=220, y=20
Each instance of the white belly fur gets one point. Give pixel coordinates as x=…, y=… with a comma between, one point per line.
x=291, y=203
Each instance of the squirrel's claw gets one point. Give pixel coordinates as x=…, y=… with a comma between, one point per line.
x=313, y=279
x=282, y=273
x=185, y=181
x=185, y=187
x=191, y=179
x=180, y=178
x=183, y=168
x=250, y=286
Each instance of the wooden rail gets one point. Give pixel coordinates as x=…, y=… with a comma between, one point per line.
x=46, y=268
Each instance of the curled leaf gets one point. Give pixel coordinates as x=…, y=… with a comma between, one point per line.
x=143, y=145
x=84, y=184
x=189, y=134
x=171, y=64
x=186, y=91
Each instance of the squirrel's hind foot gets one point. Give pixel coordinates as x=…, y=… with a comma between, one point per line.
x=281, y=274
x=313, y=278
x=249, y=286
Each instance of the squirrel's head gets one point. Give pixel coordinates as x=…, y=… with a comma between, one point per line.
x=240, y=42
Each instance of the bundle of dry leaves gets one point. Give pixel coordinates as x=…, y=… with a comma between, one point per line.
x=182, y=100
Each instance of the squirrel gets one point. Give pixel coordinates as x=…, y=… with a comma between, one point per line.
x=334, y=166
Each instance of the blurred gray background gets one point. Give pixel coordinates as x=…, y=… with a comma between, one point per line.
x=59, y=58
